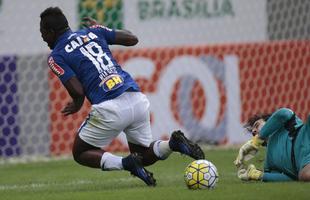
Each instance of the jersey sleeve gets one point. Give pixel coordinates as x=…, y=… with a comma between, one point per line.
x=275, y=176
x=276, y=121
x=60, y=68
x=107, y=33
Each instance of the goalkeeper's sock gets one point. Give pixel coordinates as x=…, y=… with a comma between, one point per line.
x=162, y=149
x=111, y=162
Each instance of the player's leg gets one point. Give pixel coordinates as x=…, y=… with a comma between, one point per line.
x=133, y=163
x=304, y=174
x=97, y=131
x=161, y=149
x=303, y=152
x=95, y=157
x=152, y=153
x=91, y=156
x=138, y=132
x=86, y=154
x=179, y=143
x=147, y=153
x=140, y=138
x=87, y=148
x=112, y=117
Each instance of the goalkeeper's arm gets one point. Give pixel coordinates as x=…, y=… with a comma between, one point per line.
x=248, y=150
x=253, y=174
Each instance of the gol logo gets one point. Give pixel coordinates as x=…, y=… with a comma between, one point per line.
x=197, y=94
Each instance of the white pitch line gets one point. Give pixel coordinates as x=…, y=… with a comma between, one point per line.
x=71, y=183
x=42, y=185
x=5, y=187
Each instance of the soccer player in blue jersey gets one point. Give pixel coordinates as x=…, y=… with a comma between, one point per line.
x=84, y=64
x=288, y=147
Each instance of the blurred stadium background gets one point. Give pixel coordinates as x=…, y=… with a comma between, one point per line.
x=206, y=66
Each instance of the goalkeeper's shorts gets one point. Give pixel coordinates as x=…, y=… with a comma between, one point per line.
x=128, y=113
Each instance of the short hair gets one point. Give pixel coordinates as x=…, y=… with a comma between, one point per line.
x=249, y=124
x=53, y=19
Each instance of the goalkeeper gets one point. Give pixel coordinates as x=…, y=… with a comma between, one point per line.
x=288, y=148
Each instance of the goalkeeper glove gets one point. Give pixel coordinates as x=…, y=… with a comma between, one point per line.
x=250, y=174
x=257, y=142
x=246, y=152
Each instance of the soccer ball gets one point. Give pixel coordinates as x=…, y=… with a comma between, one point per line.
x=201, y=174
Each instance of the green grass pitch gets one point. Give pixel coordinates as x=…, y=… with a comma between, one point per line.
x=64, y=179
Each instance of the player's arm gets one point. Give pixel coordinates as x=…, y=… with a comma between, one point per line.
x=68, y=78
x=120, y=37
x=277, y=120
x=283, y=117
x=75, y=89
x=125, y=38
x=253, y=174
x=246, y=152
x=275, y=176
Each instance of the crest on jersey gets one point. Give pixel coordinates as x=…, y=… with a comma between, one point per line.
x=54, y=67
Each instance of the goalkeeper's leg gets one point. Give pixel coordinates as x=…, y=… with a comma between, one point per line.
x=304, y=174
x=304, y=133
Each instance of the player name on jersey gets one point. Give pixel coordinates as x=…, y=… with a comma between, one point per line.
x=79, y=41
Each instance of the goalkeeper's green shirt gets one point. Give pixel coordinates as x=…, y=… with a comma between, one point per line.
x=278, y=153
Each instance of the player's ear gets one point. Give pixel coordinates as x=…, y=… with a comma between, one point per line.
x=52, y=32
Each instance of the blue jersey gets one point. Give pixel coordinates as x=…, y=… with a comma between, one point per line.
x=86, y=55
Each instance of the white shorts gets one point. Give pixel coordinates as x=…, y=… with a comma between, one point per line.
x=128, y=112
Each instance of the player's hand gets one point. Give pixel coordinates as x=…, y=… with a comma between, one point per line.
x=246, y=152
x=242, y=174
x=88, y=22
x=251, y=173
x=70, y=108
